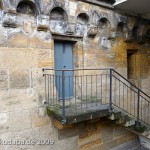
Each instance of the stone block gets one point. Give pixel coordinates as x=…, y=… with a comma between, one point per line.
x=73, y=8
x=3, y=37
x=43, y=22
x=32, y=134
x=122, y=140
x=38, y=121
x=67, y=144
x=21, y=136
x=20, y=120
x=22, y=57
x=15, y=100
x=92, y=31
x=94, y=145
x=19, y=78
x=109, y=145
x=36, y=42
x=9, y=19
x=107, y=134
x=119, y=131
x=69, y=132
x=37, y=78
x=92, y=132
x=45, y=63
x=45, y=132
x=3, y=79
x=44, y=54
x=59, y=126
x=70, y=29
x=18, y=40
x=4, y=122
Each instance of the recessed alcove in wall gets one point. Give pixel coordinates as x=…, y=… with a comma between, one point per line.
x=120, y=29
x=27, y=7
x=59, y=14
x=135, y=32
x=104, y=23
x=83, y=18
x=132, y=64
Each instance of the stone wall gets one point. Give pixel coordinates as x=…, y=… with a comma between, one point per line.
x=27, y=46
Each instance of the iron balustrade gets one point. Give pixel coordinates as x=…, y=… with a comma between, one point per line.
x=90, y=90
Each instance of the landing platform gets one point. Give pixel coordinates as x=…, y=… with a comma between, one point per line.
x=79, y=112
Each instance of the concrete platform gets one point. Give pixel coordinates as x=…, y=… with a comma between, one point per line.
x=87, y=112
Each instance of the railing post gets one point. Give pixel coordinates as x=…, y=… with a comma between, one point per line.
x=63, y=98
x=138, y=110
x=110, y=98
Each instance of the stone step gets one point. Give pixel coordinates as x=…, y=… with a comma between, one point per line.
x=129, y=123
x=115, y=116
x=123, y=119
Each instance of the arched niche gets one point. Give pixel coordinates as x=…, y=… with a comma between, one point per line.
x=120, y=29
x=27, y=7
x=83, y=19
x=58, y=14
x=104, y=23
x=135, y=33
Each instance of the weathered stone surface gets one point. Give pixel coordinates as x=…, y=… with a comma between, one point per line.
x=38, y=121
x=17, y=100
x=20, y=120
x=107, y=134
x=19, y=78
x=109, y=145
x=25, y=51
x=3, y=79
x=4, y=122
x=13, y=40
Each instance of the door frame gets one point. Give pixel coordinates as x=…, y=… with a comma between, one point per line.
x=58, y=88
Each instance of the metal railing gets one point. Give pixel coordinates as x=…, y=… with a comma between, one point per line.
x=79, y=91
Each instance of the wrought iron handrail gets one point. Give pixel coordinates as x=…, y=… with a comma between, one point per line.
x=140, y=99
x=130, y=83
x=106, y=86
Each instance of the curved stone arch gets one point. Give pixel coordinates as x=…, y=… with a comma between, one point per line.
x=83, y=18
x=46, y=7
x=58, y=13
x=33, y=3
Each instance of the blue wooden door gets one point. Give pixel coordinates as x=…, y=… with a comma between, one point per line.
x=64, y=60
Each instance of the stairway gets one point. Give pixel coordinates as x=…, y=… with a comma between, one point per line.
x=130, y=124
x=127, y=104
